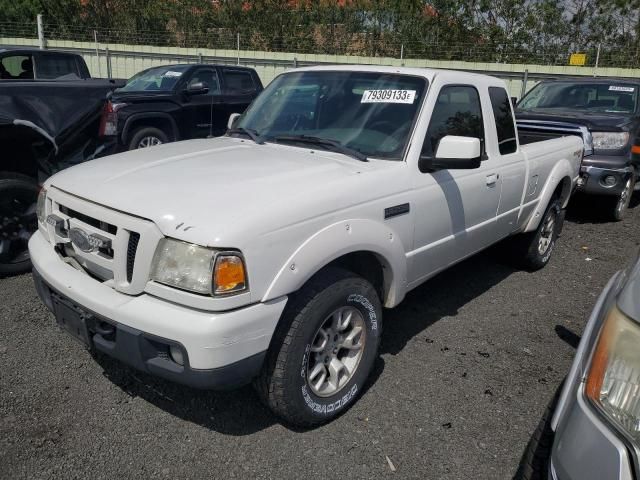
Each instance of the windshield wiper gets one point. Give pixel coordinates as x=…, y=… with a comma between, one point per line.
x=251, y=133
x=323, y=142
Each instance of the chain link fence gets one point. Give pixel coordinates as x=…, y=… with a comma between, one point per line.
x=332, y=40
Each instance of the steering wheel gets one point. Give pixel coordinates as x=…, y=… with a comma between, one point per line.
x=383, y=126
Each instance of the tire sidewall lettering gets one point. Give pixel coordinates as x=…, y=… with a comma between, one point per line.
x=331, y=405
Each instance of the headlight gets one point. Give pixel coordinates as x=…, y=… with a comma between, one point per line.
x=610, y=140
x=614, y=376
x=198, y=269
x=40, y=206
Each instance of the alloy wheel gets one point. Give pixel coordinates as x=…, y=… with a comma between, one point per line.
x=336, y=351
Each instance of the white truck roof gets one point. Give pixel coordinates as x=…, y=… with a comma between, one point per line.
x=461, y=76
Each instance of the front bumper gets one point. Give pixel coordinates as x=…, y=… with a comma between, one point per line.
x=592, y=178
x=586, y=446
x=221, y=349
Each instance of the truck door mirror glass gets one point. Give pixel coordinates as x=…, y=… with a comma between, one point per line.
x=198, y=88
x=233, y=119
x=453, y=153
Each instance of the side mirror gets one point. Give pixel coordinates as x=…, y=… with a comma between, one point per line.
x=514, y=101
x=233, y=119
x=198, y=88
x=454, y=153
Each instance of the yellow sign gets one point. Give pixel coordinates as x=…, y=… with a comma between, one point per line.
x=578, y=59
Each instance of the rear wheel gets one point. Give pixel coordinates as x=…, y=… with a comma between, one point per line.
x=323, y=350
x=18, y=221
x=146, y=137
x=533, y=250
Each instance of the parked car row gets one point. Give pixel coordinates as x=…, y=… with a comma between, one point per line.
x=331, y=194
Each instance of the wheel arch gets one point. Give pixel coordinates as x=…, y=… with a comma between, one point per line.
x=559, y=183
x=367, y=248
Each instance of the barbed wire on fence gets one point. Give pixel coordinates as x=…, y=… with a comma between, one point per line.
x=352, y=44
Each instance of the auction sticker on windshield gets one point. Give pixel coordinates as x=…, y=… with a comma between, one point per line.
x=172, y=74
x=388, y=96
x=614, y=88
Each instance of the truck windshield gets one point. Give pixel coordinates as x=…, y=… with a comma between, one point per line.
x=367, y=113
x=592, y=97
x=161, y=79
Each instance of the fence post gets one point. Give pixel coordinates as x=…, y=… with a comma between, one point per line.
x=108, y=55
x=525, y=78
x=402, y=54
x=40, y=31
x=238, y=47
x=295, y=62
x=199, y=57
x=95, y=38
x=595, y=69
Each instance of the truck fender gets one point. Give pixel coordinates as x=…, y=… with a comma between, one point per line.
x=337, y=240
x=562, y=173
x=137, y=116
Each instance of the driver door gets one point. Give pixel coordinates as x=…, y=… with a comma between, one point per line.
x=200, y=109
x=455, y=209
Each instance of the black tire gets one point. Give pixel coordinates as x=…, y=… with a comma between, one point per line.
x=526, y=247
x=18, y=221
x=283, y=384
x=620, y=204
x=147, y=133
x=534, y=464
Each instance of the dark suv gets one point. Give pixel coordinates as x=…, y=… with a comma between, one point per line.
x=177, y=102
x=606, y=113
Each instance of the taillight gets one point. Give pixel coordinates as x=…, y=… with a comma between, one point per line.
x=109, y=120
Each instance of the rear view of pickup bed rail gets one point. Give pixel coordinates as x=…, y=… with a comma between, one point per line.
x=267, y=255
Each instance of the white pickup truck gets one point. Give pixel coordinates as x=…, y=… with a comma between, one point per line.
x=268, y=254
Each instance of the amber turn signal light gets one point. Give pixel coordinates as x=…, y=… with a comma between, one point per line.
x=229, y=275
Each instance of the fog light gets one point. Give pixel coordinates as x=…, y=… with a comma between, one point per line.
x=176, y=354
x=610, y=181
x=582, y=181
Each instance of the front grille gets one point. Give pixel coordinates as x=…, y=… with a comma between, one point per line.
x=104, y=226
x=132, y=248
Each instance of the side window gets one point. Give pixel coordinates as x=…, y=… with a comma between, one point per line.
x=208, y=76
x=238, y=81
x=501, y=106
x=13, y=67
x=457, y=112
x=56, y=66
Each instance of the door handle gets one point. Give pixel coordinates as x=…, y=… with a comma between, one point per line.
x=492, y=179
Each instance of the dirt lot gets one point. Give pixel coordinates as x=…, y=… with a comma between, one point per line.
x=467, y=366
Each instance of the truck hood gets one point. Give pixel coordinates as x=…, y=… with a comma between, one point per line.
x=215, y=186
x=594, y=121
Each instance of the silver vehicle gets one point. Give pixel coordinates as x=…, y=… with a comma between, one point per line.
x=596, y=423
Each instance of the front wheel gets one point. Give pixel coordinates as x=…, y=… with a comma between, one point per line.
x=621, y=202
x=323, y=350
x=18, y=221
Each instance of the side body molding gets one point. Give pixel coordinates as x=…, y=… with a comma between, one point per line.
x=336, y=240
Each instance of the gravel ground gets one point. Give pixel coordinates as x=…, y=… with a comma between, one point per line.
x=468, y=363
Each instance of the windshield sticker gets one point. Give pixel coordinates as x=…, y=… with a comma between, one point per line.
x=613, y=88
x=172, y=74
x=388, y=96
